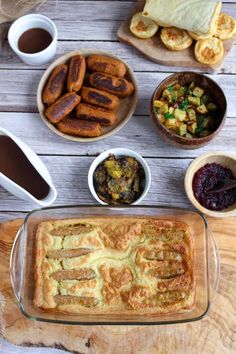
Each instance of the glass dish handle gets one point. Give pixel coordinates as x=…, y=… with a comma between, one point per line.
x=15, y=266
x=214, y=265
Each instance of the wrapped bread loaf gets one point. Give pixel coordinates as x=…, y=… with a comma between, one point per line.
x=192, y=15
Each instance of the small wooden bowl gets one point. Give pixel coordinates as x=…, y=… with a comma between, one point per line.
x=127, y=105
x=207, y=84
x=226, y=160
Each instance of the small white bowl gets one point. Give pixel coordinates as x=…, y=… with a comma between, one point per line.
x=119, y=152
x=25, y=23
x=225, y=159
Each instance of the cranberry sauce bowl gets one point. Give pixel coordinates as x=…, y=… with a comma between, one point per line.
x=202, y=178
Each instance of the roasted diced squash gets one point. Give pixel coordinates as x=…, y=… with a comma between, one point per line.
x=192, y=127
x=170, y=123
x=164, y=109
x=188, y=135
x=202, y=109
x=192, y=114
x=180, y=115
x=182, y=129
x=194, y=100
x=158, y=103
x=198, y=91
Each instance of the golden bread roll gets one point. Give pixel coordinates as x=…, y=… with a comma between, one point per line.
x=76, y=73
x=226, y=26
x=99, y=98
x=115, y=85
x=95, y=114
x=79, y=127
x=175, y=38
x=196, y=36
x=209, y=51
x=62, y=107
x=143, y=27
x=55, y=84
x=105, y=64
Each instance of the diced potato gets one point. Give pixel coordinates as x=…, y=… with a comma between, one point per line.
x=182, y=129
x=194, y=100
x=192, y=127
x=192, y=85
x=202, y=109
x=180, y=115
x=211, y=106
x=174, y=96
x=158, y=103
x=171, y=110
x=198, y=91
x=163, y=109
x=192, y=114
x=167, y=94
x=170, y=123
x=188, y=135
x=177, y=87
x=180, y=92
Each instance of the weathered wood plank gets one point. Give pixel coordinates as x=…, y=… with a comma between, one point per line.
x=71, y=183
x=8, y=60
x=18, y=89
x=139, y=134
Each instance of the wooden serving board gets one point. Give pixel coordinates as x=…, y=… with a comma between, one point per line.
x=155, y=50
x=214, y=334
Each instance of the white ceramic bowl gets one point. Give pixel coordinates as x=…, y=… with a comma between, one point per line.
x=25, y=23
x=119, y=152
x=225, y=159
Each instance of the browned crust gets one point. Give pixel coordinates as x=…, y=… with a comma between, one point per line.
x=105, y=64
x=76, y=73
x=55, y=84
x=99, y=98
x=178, y=292
x=79, y=127
x=62, y=107
x=92, y=113
x=115, y=85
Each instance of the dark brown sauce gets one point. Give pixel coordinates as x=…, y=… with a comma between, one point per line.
x=34, y=40
x=15, y=165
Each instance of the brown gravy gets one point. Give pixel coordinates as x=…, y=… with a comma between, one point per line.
x=15, y=165
x=34, y=40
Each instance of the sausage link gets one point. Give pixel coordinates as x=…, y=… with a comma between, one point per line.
x=62, y=107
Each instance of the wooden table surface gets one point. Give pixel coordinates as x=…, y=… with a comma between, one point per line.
x=93, y=24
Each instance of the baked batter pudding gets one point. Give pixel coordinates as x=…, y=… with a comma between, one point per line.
x=115, y=265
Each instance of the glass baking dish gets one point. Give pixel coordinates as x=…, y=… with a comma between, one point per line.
x=206, y=258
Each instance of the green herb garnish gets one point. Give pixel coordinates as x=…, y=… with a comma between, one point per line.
x=200, y=120
x=169, y=116
x=184, y=104
x=170, y=88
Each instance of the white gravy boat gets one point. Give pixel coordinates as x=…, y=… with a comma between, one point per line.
x=36, y=162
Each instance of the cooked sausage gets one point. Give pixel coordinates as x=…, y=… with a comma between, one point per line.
x=97, y=114
x=105, y=64
x=63, y=106
x=99, y=98
x=112, y=84
x=79, y=127
x=76, y=73
x=55, y=84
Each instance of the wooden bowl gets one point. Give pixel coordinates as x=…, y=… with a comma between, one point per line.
x=207, y=84
x=126, y=108
x=226, y=160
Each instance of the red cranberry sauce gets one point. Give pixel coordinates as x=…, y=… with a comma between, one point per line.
x=206, y=178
